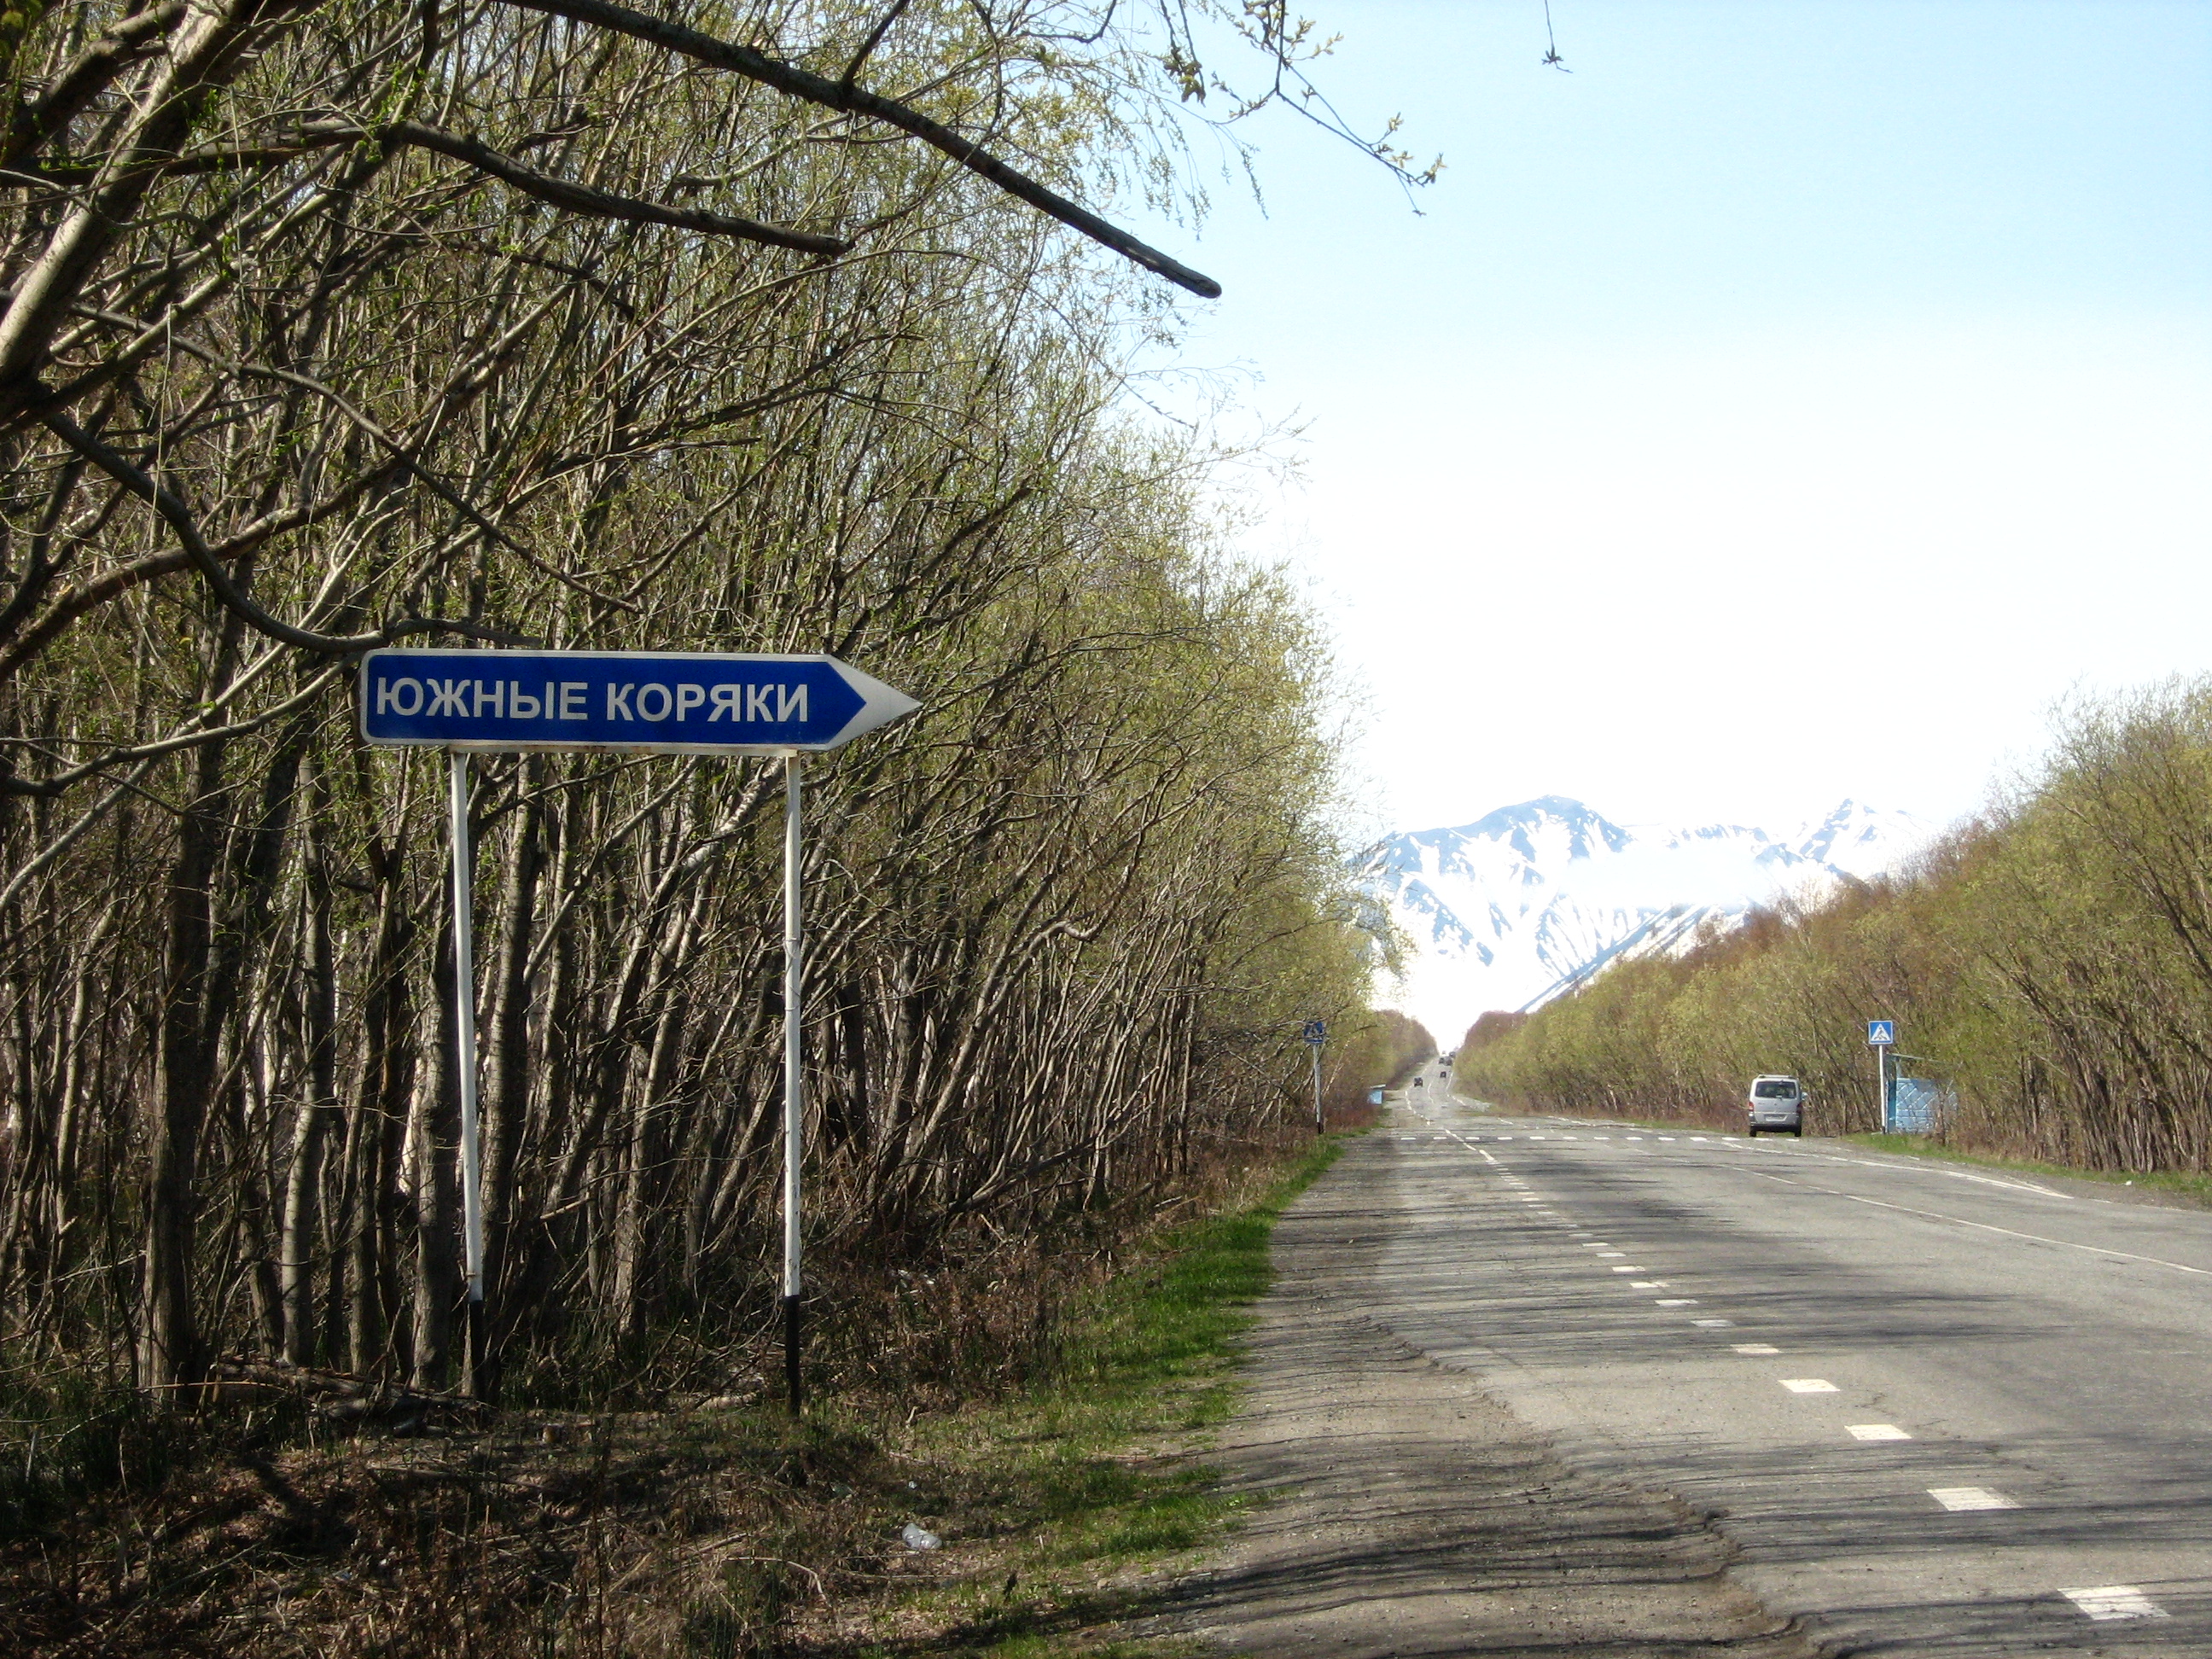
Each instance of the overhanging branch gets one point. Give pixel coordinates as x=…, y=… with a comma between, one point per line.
x=796, y=83
x=594, y=203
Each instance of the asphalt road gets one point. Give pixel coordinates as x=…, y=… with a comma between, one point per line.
x=1937, y=1409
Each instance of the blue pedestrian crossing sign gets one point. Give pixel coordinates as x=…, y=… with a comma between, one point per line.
x=1316, y=1032
x=1882, y=1033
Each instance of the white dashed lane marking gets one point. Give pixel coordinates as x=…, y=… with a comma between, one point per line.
x=2104, y=1602
x=1970, y=1497
x=2115, y=1602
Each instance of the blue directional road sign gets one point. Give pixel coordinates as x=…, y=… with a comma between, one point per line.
x=1882, y=1033
x=1317, y=1031
x=681, y=703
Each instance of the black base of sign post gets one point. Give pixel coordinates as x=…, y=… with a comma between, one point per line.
x=791, y=1354
x=476, y=1381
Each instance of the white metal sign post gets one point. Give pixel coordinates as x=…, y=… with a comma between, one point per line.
x=1881, y=1036
x=624, y=702
x=794, y=941
x=465, y=1044
x=1316, y=1035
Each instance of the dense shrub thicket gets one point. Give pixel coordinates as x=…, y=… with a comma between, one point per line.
x=332, y=323
x=2051, y=962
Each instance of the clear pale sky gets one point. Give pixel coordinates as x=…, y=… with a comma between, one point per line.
x=1793, y=402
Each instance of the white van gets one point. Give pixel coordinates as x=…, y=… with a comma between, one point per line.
x=1775, y=1103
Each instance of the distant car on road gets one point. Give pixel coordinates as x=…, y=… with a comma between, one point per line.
x=1775, y=1103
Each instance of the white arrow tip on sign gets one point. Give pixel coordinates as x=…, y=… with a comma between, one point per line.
x=880, y=704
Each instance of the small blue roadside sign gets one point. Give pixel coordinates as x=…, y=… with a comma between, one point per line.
x=1316, y=1032
x=1882, y=1033
x=670, y=701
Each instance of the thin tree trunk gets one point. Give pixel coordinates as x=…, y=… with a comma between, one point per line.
x=432, y=1131
x=304, y=1178
x=507, y=1102
x=371, y=1139
x=170, y=1357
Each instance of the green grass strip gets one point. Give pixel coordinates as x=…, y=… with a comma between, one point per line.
x=1098, y=1472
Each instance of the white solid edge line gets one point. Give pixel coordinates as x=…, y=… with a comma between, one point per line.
x=2032, y=1239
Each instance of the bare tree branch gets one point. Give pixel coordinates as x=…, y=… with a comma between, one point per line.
x=563, y=194
x=868, y=47
x=234, y=598
x=595, y=204
x=796, y=83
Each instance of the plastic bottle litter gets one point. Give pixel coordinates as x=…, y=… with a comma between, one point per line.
x=920, y=1538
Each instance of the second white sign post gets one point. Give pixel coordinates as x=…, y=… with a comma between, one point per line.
x=794, y=1102
x=1881, y=1036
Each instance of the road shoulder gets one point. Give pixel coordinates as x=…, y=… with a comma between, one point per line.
x=1400, y=1510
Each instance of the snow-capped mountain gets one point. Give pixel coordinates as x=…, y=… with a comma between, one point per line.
x=1519, y=907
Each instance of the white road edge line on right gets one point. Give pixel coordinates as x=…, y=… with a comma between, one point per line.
x=2032, y=1239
